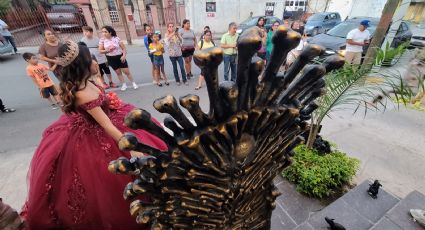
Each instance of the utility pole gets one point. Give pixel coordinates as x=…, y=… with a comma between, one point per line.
x=124, y=21
x=398, y=17
x=381, y=31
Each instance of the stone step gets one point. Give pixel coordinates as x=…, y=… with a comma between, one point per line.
x=399, y=217
x=355, y=210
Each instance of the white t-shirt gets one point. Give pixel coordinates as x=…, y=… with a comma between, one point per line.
x=93, y=45
x=357, y=36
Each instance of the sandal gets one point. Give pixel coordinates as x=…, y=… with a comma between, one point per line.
x=198, y=87
x=166, y=83
x=159, y=84
x=8, y=110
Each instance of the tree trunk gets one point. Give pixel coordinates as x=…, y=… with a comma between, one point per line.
x=314, y=130
x=380, y=32
x=124, y=21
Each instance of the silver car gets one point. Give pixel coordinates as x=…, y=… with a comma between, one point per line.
x=5, y=47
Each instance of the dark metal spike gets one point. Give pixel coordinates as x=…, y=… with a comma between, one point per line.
x=248, y=44
x=229, y=94
x=191, y=103
x=168, y=104
x=141, y=119
x=209, y=60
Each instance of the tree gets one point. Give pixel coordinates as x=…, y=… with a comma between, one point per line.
x=381, y=31
x=4, y=5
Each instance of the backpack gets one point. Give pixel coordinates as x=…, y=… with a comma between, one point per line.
x=202, y=43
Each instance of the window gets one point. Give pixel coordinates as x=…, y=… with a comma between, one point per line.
x=327, y=17
x=333, y=16
x=405, y=28
x=269, y=9
x=210, y=7
x=301, y=3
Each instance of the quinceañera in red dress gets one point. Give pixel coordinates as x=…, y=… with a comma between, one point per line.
x=70, y=186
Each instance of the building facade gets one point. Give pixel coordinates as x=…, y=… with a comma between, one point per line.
x=359, y=8
x=219, y=13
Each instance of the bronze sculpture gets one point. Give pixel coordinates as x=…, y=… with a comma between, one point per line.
x=218, y=174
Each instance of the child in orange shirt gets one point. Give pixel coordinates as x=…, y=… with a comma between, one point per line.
x=157, y=49
x=38, y=73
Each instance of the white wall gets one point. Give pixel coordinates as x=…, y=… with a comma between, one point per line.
x=343, y=7
x=227, y=11
x=367, y=8
x=315, y=6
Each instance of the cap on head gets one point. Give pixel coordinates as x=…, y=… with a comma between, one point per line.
x=365, y=23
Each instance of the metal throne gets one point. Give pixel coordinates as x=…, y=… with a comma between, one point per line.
x=218, y=173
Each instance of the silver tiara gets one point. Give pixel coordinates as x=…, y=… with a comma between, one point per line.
x=69, y=56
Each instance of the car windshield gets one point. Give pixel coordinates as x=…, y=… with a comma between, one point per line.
x=316, y=17
x=342, y=29
x=250, y=22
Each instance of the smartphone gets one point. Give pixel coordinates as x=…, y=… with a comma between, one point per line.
x=177, y=29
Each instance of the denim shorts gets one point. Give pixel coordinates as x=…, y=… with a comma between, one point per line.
x=158, y=60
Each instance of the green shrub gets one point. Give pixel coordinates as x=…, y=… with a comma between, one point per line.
x=318, y=175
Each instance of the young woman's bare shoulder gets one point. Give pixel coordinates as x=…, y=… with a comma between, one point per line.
x=89, y=93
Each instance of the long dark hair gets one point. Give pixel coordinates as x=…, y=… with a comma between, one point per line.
x=110, y=30
x=184, y=22
x=73, y=76
x=259, y=19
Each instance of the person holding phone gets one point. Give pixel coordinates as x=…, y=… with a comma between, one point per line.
x=356, y=40
x=173, y=43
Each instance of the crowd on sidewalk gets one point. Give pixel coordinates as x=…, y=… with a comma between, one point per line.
x=110, y=52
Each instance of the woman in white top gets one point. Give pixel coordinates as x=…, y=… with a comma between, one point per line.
x=111, y=45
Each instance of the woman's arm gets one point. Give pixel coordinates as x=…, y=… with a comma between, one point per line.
x=46, y=59
x=103, y=120
x=194, y=39
x=124, y=50
x=102, y=49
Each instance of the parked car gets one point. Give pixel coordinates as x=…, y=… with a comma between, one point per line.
x=334, y=40
x=65, y=16
x=253, y=21
x=5, y=46
x=321, y=22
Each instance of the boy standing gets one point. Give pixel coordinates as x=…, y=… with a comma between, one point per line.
x=93, y=45
x=38, y=73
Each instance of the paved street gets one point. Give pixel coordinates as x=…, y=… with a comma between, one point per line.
x=390, y=145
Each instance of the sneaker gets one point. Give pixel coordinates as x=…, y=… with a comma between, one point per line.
x=178, y=83
x=105, y=86
x=54, y=107
x=418, y=216
x=124, y=87
x=113, y=85
x=135, y=85
x=186, y=83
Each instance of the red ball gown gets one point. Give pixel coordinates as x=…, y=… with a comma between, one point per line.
x=70, y=186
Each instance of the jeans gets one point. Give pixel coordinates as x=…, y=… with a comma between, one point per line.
x=229, y=64
x=12, y=42
x=174, y=61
